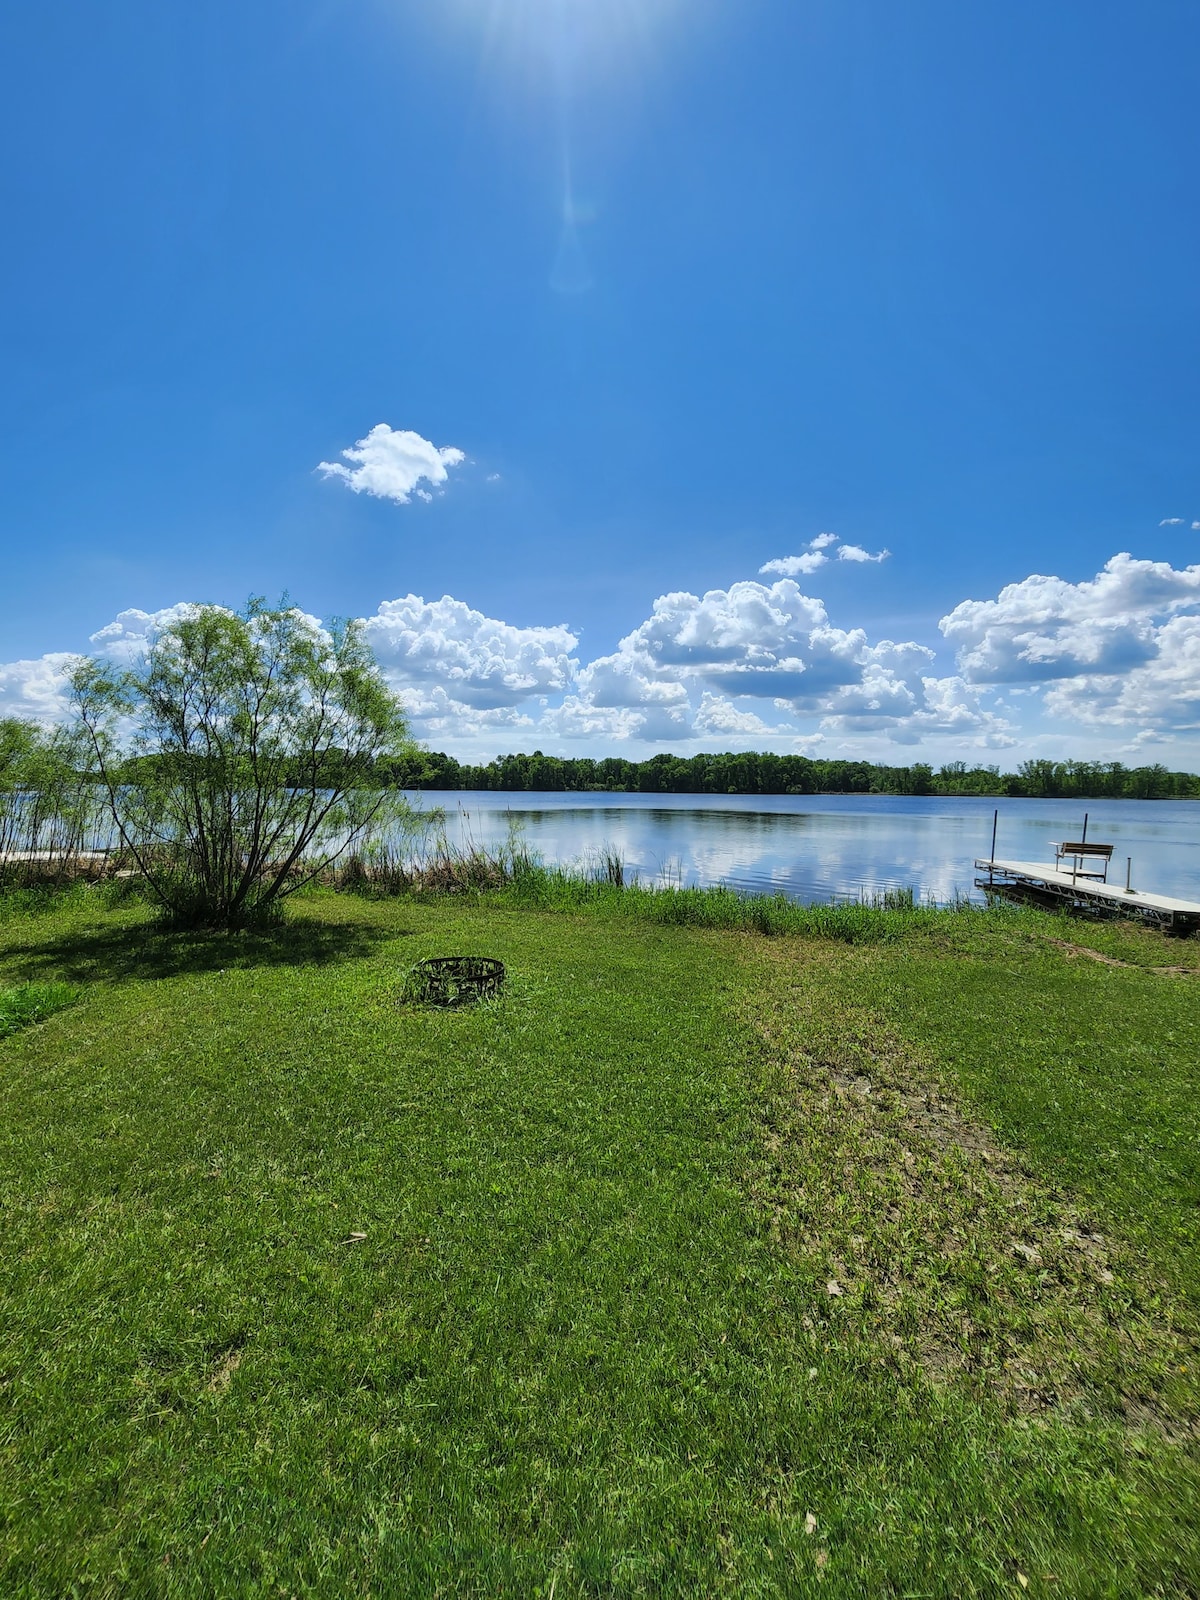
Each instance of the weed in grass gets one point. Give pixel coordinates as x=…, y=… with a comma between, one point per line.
x=18, y=900
x=32, y=1002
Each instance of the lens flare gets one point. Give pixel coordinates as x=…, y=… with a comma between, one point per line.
x=585, y=58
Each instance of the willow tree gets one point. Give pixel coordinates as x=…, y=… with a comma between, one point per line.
x=239, y=756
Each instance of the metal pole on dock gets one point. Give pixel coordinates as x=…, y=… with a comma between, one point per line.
x=992, y=862
x=1083, y=835
x=1128, y=874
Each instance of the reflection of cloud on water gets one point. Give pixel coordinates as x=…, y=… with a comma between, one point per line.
x=862, y=847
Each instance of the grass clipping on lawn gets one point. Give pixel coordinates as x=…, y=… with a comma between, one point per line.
x=931, y=1240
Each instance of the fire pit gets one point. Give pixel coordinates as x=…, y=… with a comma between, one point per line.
x=453, y=980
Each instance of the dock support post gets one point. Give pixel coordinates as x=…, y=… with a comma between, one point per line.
x=992, y=861
x=1128, y=874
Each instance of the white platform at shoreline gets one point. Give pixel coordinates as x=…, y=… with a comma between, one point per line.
x=1052, y=880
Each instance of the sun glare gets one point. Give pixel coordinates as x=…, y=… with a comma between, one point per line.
x=589, y=35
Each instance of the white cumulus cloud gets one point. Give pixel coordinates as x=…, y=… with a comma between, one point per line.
x=855, y=552
x=717, y=663
x=36, y=690
x=392, y=464
x=130, y=632
x=479, y=660
x=1118, y=653
x=435, y=714
x=1044, y=628
x=1160, y=692
x=581, y=718
x=810, y=558
x=717, y=715
x=1122, y=648
x=796, y=566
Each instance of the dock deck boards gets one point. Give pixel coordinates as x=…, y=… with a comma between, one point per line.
x=1052, y=880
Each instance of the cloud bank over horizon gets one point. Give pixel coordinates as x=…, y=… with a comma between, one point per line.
x=1120, y=650
x=1111, y=662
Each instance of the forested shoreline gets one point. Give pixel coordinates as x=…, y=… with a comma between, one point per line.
x=763, y=772
x=47, y=772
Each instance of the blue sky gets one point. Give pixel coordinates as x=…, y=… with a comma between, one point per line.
x=686, y=285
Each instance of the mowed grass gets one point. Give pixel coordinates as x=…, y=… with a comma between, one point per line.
x=1091, y=1068
x=307, y=1292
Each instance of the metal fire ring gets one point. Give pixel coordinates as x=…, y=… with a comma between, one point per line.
x=453, y=980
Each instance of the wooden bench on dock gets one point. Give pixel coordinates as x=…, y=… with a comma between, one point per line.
x=1080, y=852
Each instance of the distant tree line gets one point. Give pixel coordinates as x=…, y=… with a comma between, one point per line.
x=52, y=765
x=762, y=772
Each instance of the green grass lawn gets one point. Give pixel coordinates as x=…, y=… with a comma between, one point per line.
x=702, y=1263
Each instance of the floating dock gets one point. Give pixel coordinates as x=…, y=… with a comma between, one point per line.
x=1035, y=880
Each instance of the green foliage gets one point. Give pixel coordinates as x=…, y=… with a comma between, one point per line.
x=764, y=772
x=49, y=807
x=253, y=759
x=32, y=1002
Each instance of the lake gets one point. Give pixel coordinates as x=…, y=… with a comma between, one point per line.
x=823, y=847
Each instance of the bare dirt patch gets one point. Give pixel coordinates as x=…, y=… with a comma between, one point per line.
x=1075, y=950
x=947, y=1253
x=228, y=1364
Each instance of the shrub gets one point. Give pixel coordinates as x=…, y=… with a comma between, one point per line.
x=238, y=759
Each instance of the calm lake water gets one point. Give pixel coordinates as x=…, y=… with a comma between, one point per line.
x=822, y=847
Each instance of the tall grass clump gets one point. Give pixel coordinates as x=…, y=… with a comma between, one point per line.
x=420, y=860
x=612, y=866
x=417, y=857
x=881, y=919
x=32, y=1002
x=893, y=900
